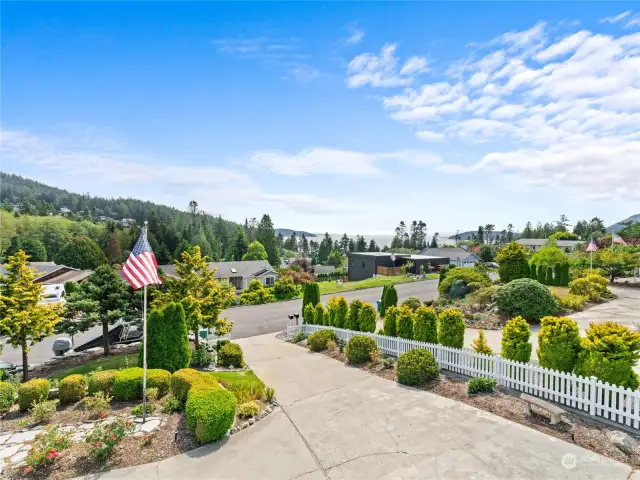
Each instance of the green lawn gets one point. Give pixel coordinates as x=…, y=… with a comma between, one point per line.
x=107, y=363
x=333, y=287
x=245, y=385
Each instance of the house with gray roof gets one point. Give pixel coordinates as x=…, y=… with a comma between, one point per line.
x=457, y=256
x=51, y=273
x=536, y=244
x=239, y=274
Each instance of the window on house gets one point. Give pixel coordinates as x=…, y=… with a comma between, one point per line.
x=270, y=281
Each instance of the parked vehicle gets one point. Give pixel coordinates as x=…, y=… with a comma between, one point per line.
x=53, y=294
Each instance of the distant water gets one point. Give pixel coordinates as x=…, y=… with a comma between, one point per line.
x=383, y=240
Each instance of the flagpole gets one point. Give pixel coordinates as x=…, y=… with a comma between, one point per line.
x=591, y=256
x=144, y=351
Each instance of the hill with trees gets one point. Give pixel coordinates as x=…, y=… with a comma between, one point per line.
x=616, y=227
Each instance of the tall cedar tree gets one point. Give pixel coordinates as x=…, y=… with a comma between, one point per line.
x=202, y=297
x=113, y=251
x=167, y=339
x=311, y=296
x=102, y=299
x=24, y=322
x=240, y=244
x=266, y=235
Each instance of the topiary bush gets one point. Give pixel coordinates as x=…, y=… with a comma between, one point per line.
x=160, y=379
x=412, y=303
x=592, y=286
x=515, y=340
x=72, y=388
x=425, y=326
x=416, y=368
x=389, y=299
x=32, y=391
x=230, y=354
x=319, y=315
x=210, y=412
x=284, y=288
x=102, y=381
x=480, y=385
x=183, y=380
x=533, y=273
x=549, y=279
x=542, y=275
x=465, y=276
x=480, y=344
x=310, y=295
x=256, y=294
x=317, y=341
x=609, y=352
x=340, y=314
x=405, y=323
x=526, y=298
x=513, y=262
x=353, y=322
x=390, y=322
x=451, y=328
x=360, y=349
x=558, y=343
x=367, y=318
x=7, y=397
x=309, y=314
x=127, y=384
x=167, y=339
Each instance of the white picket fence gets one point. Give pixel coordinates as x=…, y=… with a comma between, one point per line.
x=590, y=395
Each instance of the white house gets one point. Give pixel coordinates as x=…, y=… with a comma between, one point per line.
x=64, y=210
x=536, y=244
x=457, y=256
x=239, y=274
x=126, y=222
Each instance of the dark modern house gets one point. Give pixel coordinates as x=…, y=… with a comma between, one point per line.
x=367, y=264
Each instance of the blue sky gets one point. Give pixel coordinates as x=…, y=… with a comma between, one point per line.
x=331, y=116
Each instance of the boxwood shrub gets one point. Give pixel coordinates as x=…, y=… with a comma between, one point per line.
x=367, y=318
x=183, y=380
x=558, y=343
x=160, y=379
x=451, y=328
x=425, y=326
x=360, y=349
x=480, y=385
x=102, y=382
x=230, y=354
x=210, y=412
x=7, y=396
x=526, y=298
x=127, y=384
x=33, y=390
x=317, y=341
x=72, y=388
x=405, y=323
x=416, y=367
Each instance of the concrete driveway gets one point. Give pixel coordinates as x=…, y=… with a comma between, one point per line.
x=338, y=422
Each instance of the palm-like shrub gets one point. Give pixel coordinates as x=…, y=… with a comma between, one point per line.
x=515, y=340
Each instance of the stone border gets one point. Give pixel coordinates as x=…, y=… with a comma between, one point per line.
x=251, y=421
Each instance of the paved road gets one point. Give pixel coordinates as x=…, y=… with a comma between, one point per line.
x=338, y=422
x=248, y=321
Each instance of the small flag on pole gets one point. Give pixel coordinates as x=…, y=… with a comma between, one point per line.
x=615, y=238
x=592, y=247
x=141, y=268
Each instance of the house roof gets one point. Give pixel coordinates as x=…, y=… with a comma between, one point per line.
x=323, y=269
x=450, y=253
x=246, y=268
x=540, y=242
x=47, y=269
x=377, y=254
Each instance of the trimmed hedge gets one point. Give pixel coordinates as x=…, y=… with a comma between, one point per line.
x=33, y=390
x=360, y=349
x=127, y=384
x=389, y=299
x=230, y=354
x=310, y=295
x=417, y=367
x=451, y=328
x=367, y=318
x=72, y=388
x=526, y=298
x=515, y=340
x=353, y=322
x=341, y=311
x=390, y=321
x=309, y=314
x=183, y=380
x=7, y=396
x=558, y=343
x=405, y=323
x=210, y=412
x=102, y=382
x=160, y=379
x=593, y=286
x=317, y=341
x=425, y=326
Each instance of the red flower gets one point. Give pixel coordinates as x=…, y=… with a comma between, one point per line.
x=28, y=470
x=113, y=437
x=103, y=415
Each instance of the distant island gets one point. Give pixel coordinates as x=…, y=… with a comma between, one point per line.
x=286, y=232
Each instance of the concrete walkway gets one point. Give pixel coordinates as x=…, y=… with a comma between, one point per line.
x=338, y=422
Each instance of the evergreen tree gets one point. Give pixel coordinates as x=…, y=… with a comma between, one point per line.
x=291, y=243
x=239, y=244
x=24, y=322
x=509, y=236
x=434, y=241
x=549, y=277
x=557, y=274
x=163, y=256
x=304, y=246
x=255, y=251
x=167, y=339
x=113, y=251
x=373, y=247
x=31, y=245
x=344, y=244
x=310, y=296
x=324, y=250
x=81, y=252
x=533, y=275
x=542, y=274
x=200, y=240
x=361, y=244
x=266, y=235
x=480, y=235
x=528, y=231
x=352, y=245
x=183, y=246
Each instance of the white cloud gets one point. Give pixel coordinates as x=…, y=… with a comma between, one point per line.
x=525, y=38
x=380, y=70
x=414, y=65
x=301, y=72
x=355, y=35
x=616, y=18
x=429, y=136
x=563, y=47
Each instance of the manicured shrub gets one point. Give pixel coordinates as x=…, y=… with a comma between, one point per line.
x=480, y=385
x=413, y=303
x=102, y=381
x=570, y=303
x=444, y=271
x=542, y=275
x=513, y=261
x=609, y=352
x=284, y=288
x=160, y=379
x=172, y=405
x=405, y=323
x=7, y=396
x=465, y=276
x=210, y=412
x=367, y=318
x=484, y=296
x=319, y=315
x=557, y=274
x=533, y=273
x=317, y=341
x=33, y=390
x=256, y=294
x=167, y=339
x=310, y=295
x=592, y=286
x=549, y=278
x=340, y=314
x=425, y=326
x=558, y=343
x=309, y=314
x=451, y=328
x=564, y=280
x=230, y=354
x=248, y=409
x=183, y=380
x=389, y=299
x=360, y=349
x=390, y=322
x=480, y=344
x=515, y=340
x=330, y=312
x=353, y=322
x=128, y=384
x=72, y=388
x=417, y=367
x=527, y=298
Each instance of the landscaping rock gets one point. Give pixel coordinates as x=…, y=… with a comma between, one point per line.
x=623, y=442
x=234, y=430
x=4, y=438
x=22, y=437
x=149, y=425
x=252, y=420
x=268, y=409
x=244, y=425
x=18, y=457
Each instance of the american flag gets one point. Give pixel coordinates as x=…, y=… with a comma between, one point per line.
x=141, y=268
x=592, y=247
x=615, y=238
